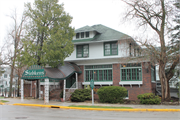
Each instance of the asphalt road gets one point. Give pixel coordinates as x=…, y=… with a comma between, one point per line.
x=10, y=112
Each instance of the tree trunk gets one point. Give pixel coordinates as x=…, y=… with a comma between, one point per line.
x=167, y=92
x=162, y=80
x=18, y=86
x=11, y=80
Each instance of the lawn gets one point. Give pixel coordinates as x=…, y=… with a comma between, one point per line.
x=3, y=101
x=108, y=107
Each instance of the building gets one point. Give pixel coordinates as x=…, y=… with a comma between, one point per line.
x=109, y=58
x=5, y=81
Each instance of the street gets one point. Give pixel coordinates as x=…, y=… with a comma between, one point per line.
x=10, y=112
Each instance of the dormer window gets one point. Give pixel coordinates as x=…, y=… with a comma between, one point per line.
x=77, y=35
x=82, y=35
x=87, y=34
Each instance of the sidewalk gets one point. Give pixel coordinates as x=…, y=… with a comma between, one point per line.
x=40, y=103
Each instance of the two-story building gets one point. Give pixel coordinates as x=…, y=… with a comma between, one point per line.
x=105, y=55
x=108, y=57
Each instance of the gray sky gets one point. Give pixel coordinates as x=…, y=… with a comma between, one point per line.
x=84, y=12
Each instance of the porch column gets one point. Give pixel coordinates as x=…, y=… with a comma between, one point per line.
x=31, y=89
x=46, y=91
x=76, y=80
x=22, y=90
x=64, y=91
x=39, y=89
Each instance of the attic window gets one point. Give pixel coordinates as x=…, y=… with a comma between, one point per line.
x=77, y=35
x=87, y=34
x=82, y=35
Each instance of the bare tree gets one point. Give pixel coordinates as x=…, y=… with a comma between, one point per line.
x=155, y=14
x=13, y=44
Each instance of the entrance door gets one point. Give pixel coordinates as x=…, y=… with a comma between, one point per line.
x=70, y=81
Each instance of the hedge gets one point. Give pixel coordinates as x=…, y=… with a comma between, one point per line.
x=80, y=95
x=112, y=94
x=149, y=98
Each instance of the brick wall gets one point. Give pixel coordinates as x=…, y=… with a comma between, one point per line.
x=116, y=74
x=146, y=87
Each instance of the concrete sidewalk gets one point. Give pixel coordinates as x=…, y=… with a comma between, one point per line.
x=40, y=103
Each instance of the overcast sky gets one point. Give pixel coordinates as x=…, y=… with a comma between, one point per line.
x=84, y=12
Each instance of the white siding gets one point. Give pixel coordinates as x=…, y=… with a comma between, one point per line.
x=96, y=51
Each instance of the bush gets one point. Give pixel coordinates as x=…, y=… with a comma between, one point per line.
x=80, y=95
x=149, y=98
x=61, y=94
x=112, y=94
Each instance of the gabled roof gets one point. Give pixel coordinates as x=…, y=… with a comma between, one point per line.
x=103, y=34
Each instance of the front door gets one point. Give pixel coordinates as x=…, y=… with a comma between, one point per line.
x=70, y=81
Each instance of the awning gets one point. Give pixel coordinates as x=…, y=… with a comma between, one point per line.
x=36, y=72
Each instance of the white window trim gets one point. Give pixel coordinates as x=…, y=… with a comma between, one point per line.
x=131, y=83
x=98, y=83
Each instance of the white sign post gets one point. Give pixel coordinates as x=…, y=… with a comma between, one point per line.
x=46, y=91
x=22, y=90
x=92, y=86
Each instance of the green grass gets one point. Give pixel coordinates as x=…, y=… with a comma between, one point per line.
x=1, y=97
x=3, y=101
x=108, y=107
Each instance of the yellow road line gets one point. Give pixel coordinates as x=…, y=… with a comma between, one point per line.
x=101, y=109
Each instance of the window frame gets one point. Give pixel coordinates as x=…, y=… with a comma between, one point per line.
x=82, y=50
x=105, y=73
x=123, y=70
x=6, y=75
x=77, y=35
x=86, y=34
x=110, y=48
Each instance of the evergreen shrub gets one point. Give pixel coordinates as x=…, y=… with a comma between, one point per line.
x=80, y=95
x=149, y=98
x=112, y=94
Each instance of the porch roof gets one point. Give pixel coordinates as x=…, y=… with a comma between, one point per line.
x=35, y=72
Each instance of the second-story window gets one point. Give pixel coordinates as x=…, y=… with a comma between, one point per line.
x=130, y=54
x=110, y=48
x=5, y=75
x=82, y=51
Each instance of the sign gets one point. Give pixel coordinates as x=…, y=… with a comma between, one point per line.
x=92, y=83
x=39, y=72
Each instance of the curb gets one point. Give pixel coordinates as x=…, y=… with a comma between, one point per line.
x=2, y=103
x=101, y=109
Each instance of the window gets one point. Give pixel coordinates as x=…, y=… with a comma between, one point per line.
x=110, y=48
x=98, y=73
x=77, y=35
x=131, y=72
x=152, y=74
x=130, y=54
x=87, y=34
x=82, y=35
x=5, y=75
x=82, y=51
